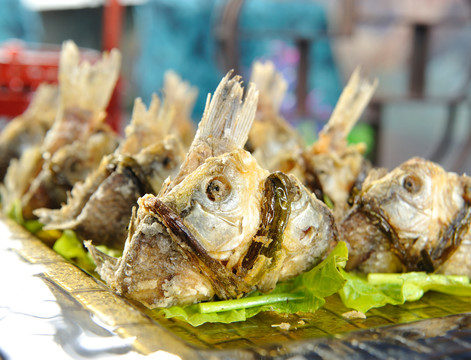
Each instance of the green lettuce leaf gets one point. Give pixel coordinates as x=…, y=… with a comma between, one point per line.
x=375, y=290
x=15, y=212
x=305, y=293
x=72, y=249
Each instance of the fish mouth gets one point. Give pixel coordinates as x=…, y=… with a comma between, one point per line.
x=226, y=284
x=428, y=260
x=232, y=283
x=373, y=211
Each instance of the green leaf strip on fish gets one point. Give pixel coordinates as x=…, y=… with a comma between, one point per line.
x=275, y=215
x=452, y=236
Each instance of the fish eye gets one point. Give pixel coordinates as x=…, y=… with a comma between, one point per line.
x=412, y=183
x=218, y=189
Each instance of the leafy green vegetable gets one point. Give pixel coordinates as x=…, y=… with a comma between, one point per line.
x=15, y=212
x=375, y=290
x=362, y=133
x=305, y=293
x=245, y=303
x=71, y=248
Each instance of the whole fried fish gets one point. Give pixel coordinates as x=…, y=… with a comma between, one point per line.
x=223, y=226
x=29, y=128
x=99, y=208
x=78, y=138
x=414, y=218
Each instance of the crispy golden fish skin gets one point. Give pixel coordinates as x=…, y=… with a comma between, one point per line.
x=423, y=216
x=224, y=228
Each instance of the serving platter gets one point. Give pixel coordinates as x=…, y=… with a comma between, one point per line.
x=81, y=318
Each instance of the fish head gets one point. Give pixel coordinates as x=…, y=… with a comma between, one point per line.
x=220, y=203
x=412, y=205
x=413, y=194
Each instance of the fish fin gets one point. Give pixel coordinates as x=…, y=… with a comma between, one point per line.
x=86, y=85
x=180, y=94
x=271, y=84
x=226, y=119
x=45, y=100
x=106, y=265
x=18, y=176
x=141, y=116
x=351, y=104
x=146, y=126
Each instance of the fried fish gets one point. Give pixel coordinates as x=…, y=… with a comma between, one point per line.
x=78, y=138
x=99, y=208
x=331, y=166
x=223, y=226
x=414, y=218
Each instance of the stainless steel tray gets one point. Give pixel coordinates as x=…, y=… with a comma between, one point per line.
x=58, y=308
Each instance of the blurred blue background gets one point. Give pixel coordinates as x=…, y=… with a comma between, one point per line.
x=327, y=39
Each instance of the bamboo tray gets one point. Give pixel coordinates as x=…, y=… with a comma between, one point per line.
x=85, y=309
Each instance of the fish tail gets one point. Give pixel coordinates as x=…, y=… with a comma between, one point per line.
x=271, y=84
x=141, y=115
x=143, y=119
x=224, y=127
x=245, y=117
x=85, y=85
x=226, y=117
x=44, y=99
x=180, y=94
x=351, y=104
